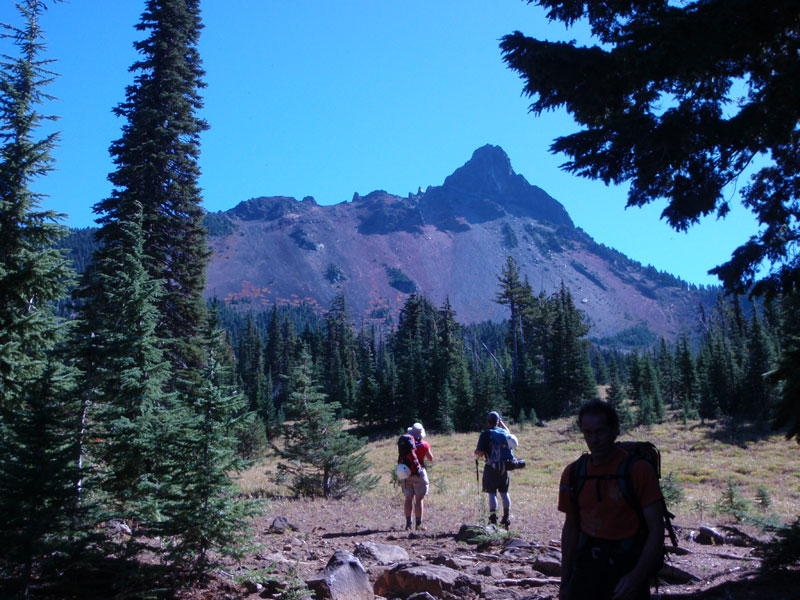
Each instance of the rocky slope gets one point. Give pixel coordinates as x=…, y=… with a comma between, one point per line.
x=449, y=241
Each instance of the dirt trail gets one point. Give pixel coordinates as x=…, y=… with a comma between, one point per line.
x=725, y=571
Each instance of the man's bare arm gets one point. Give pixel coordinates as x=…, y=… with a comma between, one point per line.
x=569, y=550
x=653, y=547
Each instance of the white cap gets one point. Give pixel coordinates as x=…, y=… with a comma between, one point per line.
x=418, y=430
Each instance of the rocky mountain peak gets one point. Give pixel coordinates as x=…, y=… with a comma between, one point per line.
x=487, y=173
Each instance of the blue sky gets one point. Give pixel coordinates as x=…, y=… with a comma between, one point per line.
x=324, y=99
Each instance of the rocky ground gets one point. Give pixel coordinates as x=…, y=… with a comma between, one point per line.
x=522, y=566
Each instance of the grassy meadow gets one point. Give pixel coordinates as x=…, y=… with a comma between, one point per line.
x=702, y=457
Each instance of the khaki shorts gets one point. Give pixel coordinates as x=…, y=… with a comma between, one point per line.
x=416, y=485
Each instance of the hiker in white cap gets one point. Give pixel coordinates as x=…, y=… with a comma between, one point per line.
x=416, y=484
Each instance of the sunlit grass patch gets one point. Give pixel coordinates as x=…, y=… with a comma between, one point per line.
x=700, y=462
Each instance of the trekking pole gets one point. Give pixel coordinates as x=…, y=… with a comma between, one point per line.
x=478, y=482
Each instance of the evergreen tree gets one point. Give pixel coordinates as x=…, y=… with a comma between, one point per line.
x=157, y=170
x=759, y=394
x=33, y=273
x=599, y=366
x=616, y=398
x=723, y=70
x=388, y=381
x=727, y=72
x=318, y=457
x=450, y=372
x=569, y=376
x=666, y=368
x=414, y=346
x=788, y=413
x=250, y=367
x=651, y=406
x=688, y=384
x=41, y=512
x=207, y=511
x=130, y=417
x=341, y=370
x=513, y=294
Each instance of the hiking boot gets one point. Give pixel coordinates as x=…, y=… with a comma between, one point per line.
x=493, y=519
x=505, y=523
x=408, y=526
x=421, y=527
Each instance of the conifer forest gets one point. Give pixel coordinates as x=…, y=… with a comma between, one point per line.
x=127, y=400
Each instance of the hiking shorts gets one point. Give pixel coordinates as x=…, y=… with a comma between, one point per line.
x=495, y=481
x=416, y=485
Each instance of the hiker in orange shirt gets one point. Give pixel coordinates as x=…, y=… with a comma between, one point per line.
x=608, y=547
x=416, y=485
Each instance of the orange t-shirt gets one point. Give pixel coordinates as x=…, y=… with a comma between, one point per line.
x=604, y=512
x=422, y=451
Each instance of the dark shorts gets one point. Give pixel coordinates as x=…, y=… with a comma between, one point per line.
x=494, y=481
x=600, y=565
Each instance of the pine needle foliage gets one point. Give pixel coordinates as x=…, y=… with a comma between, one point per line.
x=319, y=458
x=39, y=508
x=207, y=510
x=156, y=161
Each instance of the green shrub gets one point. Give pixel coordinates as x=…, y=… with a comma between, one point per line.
x=671, y=490
x=732, y=502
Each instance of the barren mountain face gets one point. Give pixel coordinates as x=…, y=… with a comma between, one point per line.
x=449, y=241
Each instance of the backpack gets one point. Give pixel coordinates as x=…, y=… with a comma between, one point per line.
x=500, y=455
x=635, y=451
x=406, y=454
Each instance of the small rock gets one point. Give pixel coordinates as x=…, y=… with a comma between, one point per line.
x=492, y=571
x=449, y=561
x=516, y=543
x=253, y=587
x=708, y=535
x=281, y=524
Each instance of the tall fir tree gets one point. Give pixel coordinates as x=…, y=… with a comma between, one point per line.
x=157, y=169
x=39, y=503
x=760, y=394
x=33, y=273
x=341, y=370
x=688, y=382
x=513, y=293
x=414, y=346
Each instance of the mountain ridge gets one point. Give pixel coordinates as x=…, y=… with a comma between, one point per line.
x=446, y=242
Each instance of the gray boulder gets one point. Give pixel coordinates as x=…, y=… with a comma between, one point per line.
x=405, y=579
x=343, y=578
x=385, y=553
x=548, y=564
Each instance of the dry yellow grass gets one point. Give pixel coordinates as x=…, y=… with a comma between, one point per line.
x=700, y=461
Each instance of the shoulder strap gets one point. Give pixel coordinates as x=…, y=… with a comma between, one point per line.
x=577, y=477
